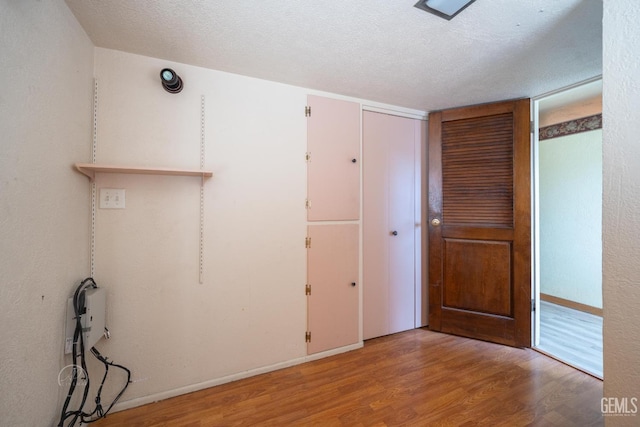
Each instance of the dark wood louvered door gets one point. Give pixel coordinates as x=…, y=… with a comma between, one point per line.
x=479, y=221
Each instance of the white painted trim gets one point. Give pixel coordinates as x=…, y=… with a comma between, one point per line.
x=566, y=88
x=133, y=403
x=361, y=284
x=395, y=111
x=376, y=107
x=535, y=221
x=418, y=166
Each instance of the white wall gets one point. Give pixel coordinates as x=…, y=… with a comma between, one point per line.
x=250, y=310
x=46, y=63
x=621, y=203
x=571, y=217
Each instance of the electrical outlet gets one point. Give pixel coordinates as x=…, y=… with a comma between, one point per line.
x=112, y=198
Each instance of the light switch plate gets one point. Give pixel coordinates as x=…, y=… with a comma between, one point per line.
x=112, y=198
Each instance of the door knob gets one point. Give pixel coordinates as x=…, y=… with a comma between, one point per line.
x=394, y=232
x=353, y=283
x=353, y=160
x=435, y=222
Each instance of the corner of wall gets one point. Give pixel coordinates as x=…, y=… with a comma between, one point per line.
x=45, y=117
x=621, y=196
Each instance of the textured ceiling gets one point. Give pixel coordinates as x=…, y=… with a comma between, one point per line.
x=381, y=50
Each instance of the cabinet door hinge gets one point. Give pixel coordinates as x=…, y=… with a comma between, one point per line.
x=531, y=128
x=307, y=204
x=307, y=242
x=533, y=304
x=307, y=336
x=307, y=290
x=307, y=156
x=307, y=111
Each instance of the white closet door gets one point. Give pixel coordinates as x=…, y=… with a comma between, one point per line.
x=389, y=224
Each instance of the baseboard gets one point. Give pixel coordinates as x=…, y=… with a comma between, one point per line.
x=133, y=403
x=571, y=304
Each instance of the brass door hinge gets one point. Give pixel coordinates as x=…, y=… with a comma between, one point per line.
x=307, y=336
x=307, y=290
x=307, y=242
x=307, y=111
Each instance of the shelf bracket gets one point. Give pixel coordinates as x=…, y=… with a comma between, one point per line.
x=88, y=172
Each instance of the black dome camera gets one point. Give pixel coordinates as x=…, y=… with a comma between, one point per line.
x=171, y=82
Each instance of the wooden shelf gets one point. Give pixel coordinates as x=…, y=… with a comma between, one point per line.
x=90, y=170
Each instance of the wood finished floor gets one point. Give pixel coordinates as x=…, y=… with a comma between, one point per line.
x=415, y=378
x=572, y=336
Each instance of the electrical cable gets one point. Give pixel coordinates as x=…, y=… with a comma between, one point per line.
x=99, y=410
x=78, y=338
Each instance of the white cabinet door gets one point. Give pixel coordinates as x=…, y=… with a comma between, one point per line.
x=389, y=223
x=333, y=169
x=332, y=274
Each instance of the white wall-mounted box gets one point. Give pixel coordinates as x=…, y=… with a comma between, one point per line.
x=93, y=321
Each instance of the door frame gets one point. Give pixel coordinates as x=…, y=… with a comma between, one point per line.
x=535, y=221
x=535, y=201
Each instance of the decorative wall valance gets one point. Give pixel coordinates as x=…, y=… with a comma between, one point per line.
x=584, y=124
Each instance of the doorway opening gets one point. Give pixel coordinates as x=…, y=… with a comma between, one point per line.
x=567, y=176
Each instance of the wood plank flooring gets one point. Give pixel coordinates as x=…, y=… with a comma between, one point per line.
x=414, y=378
x=573, y=336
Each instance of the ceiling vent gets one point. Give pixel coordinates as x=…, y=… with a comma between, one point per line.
x=446, y=9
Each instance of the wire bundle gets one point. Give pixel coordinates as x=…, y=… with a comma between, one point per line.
x=79, y=354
